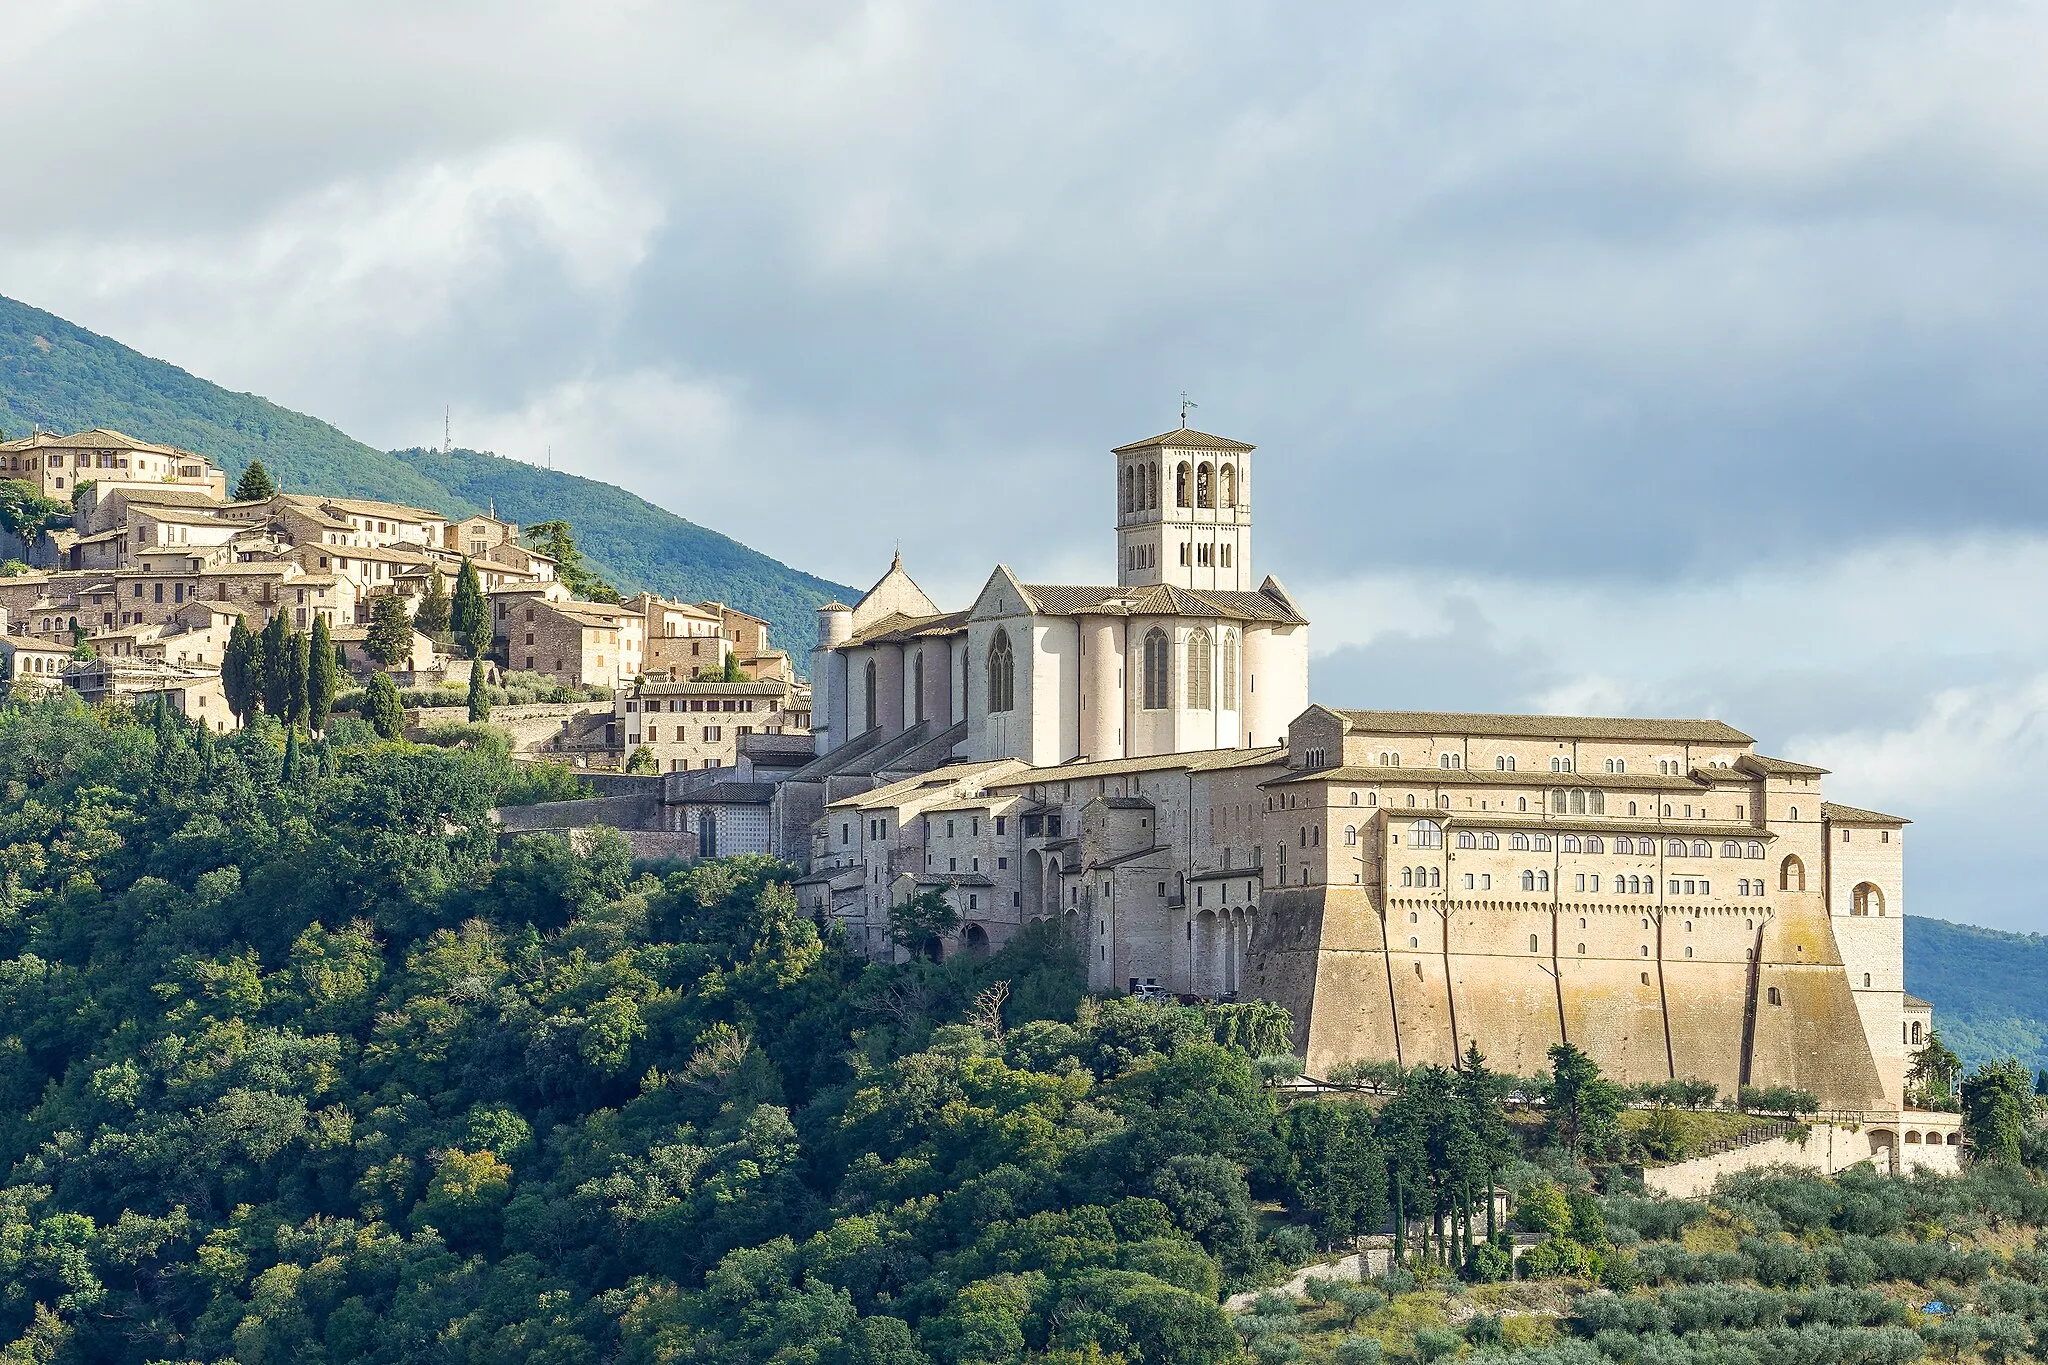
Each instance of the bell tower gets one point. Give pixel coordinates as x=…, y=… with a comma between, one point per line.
x=1184, y=512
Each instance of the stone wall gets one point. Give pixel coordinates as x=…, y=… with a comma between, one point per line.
x=1828, y=1148
x=531, y=726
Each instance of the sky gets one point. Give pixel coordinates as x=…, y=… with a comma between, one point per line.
x=1659, y=359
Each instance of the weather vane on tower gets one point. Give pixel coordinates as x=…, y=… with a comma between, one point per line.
x=1186, y=403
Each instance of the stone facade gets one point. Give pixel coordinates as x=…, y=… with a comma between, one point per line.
x=58, y=465
x=591, y=644
x=695, y=725
x=1653, y=891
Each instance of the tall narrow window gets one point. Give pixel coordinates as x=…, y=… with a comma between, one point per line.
x=868, y=676
x=1181, y=478
x=1227, y=478
x=1157, y=698
x=1198, y=671
x=917, y=684
x=1229, y=669
x=1002, y=673
x=1205, y=485
x=1152, y=487
x=1130, y=487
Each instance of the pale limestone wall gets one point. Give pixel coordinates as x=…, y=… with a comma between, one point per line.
x=1828, y=1149
x=1275, y=682
x=1872, y=943
x=531, y=727
x=1102, y=687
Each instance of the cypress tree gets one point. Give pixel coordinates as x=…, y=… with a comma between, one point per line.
x=479, y=697
x=470, y=616
x=291, y=753
x=277, y=666
x=237, y=671
x=321, y=676
x=381, y=707
x=256, y=484
x=302, y=673
x=390, y=639
x=431, y=618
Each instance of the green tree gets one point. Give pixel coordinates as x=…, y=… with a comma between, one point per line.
x=1583, y=1108
x=301, y=677
x=26, y=512
x=555, y=540
x=643, y=762
x=479, y=694
x=255, y=485
x=322, y=677
x=470, y=615
x=1931, y=1080
x=390, y=638
x=240, y=671
x=1997, y=1101
x=1335, y=1171
x=278, y=656
x=431, y=618
x=920, y=924
x=382, y=708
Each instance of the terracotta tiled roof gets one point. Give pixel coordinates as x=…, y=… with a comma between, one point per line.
x=1540, y=727
x=1779, y=767
x=1054, y=599
x=1853, y=815
x=1200, y=760
x=1183, y=438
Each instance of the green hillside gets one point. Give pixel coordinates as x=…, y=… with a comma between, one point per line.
x=63, y=378
x=1989, y=988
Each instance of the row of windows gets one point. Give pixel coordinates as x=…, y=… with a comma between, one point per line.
x=1430, y=834
x=1505, y=763
x=695, y=704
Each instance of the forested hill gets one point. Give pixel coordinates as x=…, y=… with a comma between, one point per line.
x=1990, y=989
x=63, y=378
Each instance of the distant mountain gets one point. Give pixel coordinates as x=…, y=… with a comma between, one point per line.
x=63, y=378
x=1989, y=988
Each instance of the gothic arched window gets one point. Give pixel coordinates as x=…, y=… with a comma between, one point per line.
x=1198, y=671
x=1227, y=486
x=1152, y=487
x=1002, y=673
x=868, y=677
x=1157, y=698
x=1181, y=476
x=1130, y=487
x=1205, y=485
x=917, y=684
x=1230, y=670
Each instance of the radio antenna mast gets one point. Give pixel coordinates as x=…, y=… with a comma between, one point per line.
x=447, y=428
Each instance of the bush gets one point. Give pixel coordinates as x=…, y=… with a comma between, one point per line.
x=1483, y=1330
x=1358, y=1351
x=1434, y=1343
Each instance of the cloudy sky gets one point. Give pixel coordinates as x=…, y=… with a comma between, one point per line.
x=1661, y=359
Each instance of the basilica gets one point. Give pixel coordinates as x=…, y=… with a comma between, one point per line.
x=1139, y=766
x=1186, y=651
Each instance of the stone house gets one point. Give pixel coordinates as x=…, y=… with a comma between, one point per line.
x=695, y=725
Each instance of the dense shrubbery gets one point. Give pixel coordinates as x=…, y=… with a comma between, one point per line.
x=305, y=1067
x=298, y=1063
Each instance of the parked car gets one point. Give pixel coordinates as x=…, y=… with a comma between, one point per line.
x=1150, y=990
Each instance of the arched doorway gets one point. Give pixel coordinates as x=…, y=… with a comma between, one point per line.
x=1052, y=898
x=1034, y=885
x=974, y=939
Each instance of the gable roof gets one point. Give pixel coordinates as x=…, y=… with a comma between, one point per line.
x=1538, y=727
x=1269, y=604
x=1184, y=438
x=1837, y=814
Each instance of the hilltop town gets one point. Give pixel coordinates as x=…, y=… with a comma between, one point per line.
x=136, y=595
x=1139, y=763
